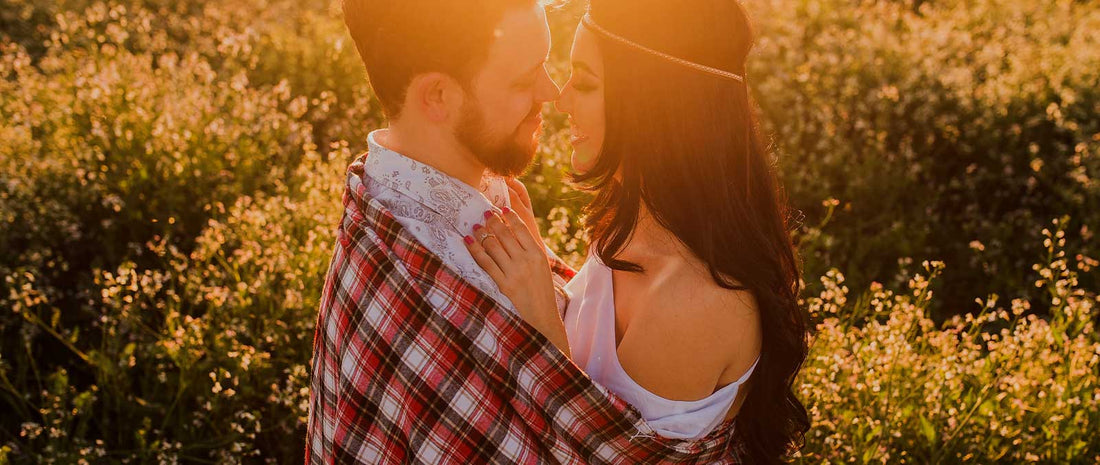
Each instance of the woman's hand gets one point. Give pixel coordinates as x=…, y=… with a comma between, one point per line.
x=521, y=202
x=505, y=249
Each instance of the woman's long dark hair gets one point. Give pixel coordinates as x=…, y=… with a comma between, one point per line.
x=688, y=144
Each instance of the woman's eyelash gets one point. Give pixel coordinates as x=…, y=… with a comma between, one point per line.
x=584, y=87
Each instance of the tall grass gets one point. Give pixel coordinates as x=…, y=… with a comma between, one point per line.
x=170, y=178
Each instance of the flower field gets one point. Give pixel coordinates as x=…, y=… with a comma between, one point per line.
x=170, y=179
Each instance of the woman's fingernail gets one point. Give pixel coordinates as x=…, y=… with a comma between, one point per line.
x=488, y=214
x=477, y=226
x=469, y=240
x=507, y=210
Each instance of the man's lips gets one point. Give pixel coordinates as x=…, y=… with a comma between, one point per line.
x=534, y=117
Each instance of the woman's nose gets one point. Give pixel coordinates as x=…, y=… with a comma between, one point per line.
x=549, y=90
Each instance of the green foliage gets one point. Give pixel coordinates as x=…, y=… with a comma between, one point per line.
x=947, y=131
x=886, y=384
x=170, y=179
x=165, y=218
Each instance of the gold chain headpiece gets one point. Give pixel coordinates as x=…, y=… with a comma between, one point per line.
x=591, y=24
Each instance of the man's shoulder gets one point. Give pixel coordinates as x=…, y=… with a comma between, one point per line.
x=377, y=250
x=364, y=252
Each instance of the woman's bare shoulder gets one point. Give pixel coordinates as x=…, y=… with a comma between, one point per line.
x=692, y=337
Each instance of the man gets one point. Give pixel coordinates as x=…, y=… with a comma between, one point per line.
x=438, y=69
x=418, y=357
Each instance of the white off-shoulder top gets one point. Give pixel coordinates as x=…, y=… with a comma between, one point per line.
x=590, y=327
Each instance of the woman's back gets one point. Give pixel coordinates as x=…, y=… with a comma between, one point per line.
x=653, y=340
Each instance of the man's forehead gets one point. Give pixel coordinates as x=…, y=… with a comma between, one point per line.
x=522, y=34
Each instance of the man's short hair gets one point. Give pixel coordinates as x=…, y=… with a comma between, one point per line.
x=399, y=39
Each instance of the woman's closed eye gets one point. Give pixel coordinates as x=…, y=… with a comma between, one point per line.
x=583, y=79
x=584, y=87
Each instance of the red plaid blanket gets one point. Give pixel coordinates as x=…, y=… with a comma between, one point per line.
x=413, y=365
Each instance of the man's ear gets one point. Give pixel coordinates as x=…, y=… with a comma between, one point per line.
x=438, y=96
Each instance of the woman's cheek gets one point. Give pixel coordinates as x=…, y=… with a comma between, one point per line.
x=588, y=151
x=583, y=159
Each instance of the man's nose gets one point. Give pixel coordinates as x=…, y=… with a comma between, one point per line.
x=561, y=104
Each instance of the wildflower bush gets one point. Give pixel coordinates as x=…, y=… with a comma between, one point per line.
x=943, y=130
x=886, y=384
x=170, y=179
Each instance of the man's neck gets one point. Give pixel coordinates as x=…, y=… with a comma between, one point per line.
x=440, y=152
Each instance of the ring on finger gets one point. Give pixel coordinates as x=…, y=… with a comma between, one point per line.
x=485, y=235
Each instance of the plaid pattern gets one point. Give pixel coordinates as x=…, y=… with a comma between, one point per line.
x=413, y=365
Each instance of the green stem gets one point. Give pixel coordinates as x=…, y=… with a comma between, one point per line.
x=34, y=319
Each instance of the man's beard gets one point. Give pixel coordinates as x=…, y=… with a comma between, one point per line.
x=503, y=156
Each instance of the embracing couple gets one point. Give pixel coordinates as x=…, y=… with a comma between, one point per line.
x=449, y=333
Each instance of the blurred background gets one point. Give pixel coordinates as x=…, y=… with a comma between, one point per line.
x=170, y=179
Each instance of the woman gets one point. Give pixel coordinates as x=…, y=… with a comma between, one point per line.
x=687, y=305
